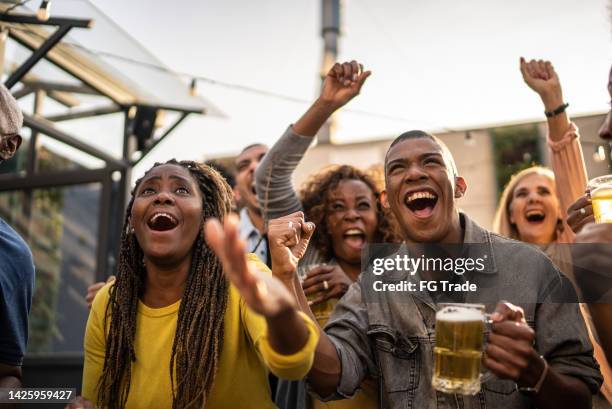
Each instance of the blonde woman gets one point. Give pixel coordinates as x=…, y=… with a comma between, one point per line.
x=533, y=204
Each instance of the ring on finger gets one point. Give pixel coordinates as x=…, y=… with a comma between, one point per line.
x=582, y=211
x=325, y=285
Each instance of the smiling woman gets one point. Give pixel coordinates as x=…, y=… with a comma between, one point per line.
x=529, y=208
x=171, y=331
x=342, y=201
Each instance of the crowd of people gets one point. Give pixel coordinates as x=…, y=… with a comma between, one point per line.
x=237, y=291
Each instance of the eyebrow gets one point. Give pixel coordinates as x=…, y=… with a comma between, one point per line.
x=423, y=156
x=360, y=197
x=174, y=177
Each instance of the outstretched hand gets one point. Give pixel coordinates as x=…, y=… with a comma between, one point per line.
x=262, y=292
x=541, y=77
x=342, y=83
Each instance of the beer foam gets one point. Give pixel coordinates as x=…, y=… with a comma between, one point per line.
x=459, y=314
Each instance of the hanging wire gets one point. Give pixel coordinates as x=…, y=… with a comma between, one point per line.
x=234, y=86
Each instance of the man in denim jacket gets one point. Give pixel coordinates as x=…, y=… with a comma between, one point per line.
x=390, y=335
x=538, y=346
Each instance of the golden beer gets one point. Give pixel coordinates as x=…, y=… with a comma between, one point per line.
x=458, y=350
x=602, y=204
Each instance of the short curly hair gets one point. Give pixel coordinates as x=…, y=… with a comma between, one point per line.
x=315, y=195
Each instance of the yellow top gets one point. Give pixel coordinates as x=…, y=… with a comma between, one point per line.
x=241, y=380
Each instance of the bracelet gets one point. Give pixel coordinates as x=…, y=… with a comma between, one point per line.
x=532, y=390
x=556, y=111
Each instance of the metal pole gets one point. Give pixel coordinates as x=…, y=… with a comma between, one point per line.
x=330, y=31
x=31, y=165
x=37, y=55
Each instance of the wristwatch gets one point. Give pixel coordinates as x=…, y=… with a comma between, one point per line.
x=533, y=390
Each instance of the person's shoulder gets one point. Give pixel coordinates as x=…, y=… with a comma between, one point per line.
x=515, y=253
x=517, y=245
x=11, y=241
x=100, y=301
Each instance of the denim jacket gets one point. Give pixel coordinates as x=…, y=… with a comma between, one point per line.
x=390, y=335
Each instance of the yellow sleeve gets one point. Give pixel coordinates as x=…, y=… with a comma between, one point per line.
x=95, y=345
x=291, y=367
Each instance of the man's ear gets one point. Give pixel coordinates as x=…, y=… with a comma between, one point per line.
x=237, y=197
x=384, y=200
x=460, y=187
x=8, y=146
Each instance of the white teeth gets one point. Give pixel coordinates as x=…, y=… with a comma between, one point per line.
x=534, y=212
x=421, y=195
x=156, y=215
x=351, y=232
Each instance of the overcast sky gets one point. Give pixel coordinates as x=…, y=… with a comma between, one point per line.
x=436, y=63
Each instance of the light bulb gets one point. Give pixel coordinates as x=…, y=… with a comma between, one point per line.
x=600, y=154
x=44, y=11
x=193, y=87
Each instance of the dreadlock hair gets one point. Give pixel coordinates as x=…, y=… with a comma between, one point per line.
x=198, y=339
x=314, y=195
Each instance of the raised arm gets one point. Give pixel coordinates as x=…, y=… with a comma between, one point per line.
x=274, y=187
x=264, y=294
x=567, y=159
x=343, y=357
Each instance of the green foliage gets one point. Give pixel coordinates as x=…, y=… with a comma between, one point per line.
x=515, y=148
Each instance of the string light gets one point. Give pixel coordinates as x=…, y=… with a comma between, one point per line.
x=469, y=139
x=43, y=13
x=600, y=154
x=193, y=87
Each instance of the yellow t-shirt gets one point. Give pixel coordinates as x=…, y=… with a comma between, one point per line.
x=241, y=380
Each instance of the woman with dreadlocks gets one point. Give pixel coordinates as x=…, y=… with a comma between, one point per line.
x=172, y=331
x=342, y=201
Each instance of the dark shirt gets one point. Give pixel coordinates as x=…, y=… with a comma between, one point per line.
x=390, y=335
x=16, y=287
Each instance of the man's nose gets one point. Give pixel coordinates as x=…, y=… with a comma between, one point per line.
x=415, y=172
x=253, y=166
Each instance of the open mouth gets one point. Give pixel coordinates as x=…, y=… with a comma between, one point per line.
x=253, y=189
x=355, y=238
x=162, y=222
x=535, y=216
x=421, y=203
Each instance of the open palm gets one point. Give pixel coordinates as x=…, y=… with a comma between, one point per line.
x=262, y=292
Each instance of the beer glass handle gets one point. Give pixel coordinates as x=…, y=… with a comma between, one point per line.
x=485, y=374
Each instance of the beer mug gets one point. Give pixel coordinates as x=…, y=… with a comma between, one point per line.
x=601, y=195
x=459, y=346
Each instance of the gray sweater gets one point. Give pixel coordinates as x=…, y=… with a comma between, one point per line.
x=275, y=192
